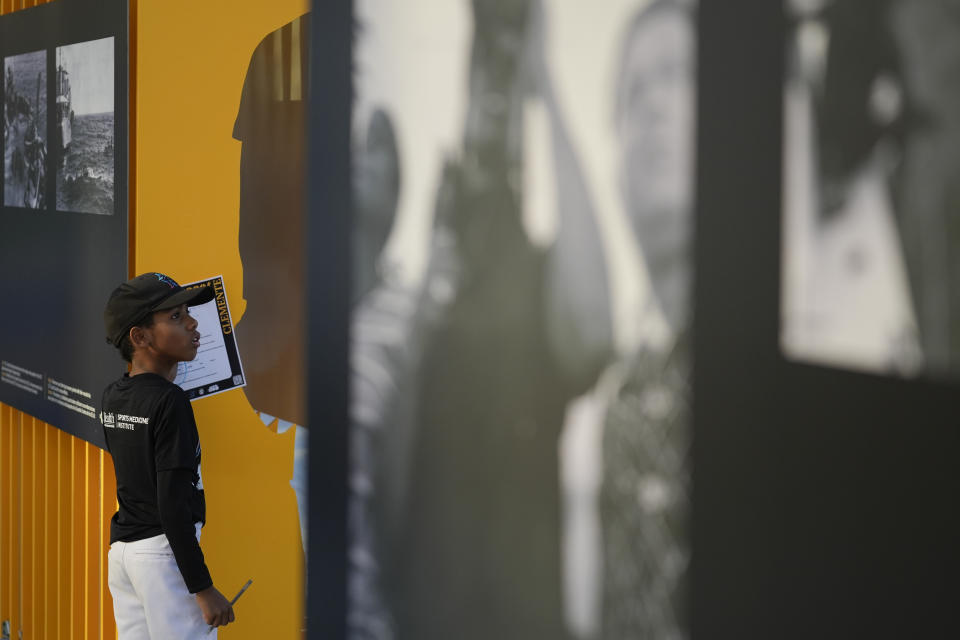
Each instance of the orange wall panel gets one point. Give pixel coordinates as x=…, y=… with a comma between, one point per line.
x=64, y=514
x=191, y=232
x=78, y=549
x=27, y=520
x=57, y=498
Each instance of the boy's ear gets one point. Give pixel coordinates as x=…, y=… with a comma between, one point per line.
x=139, y=337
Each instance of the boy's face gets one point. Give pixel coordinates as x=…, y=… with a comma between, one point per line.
x=173, y=336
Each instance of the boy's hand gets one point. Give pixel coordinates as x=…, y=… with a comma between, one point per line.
x=216, y=609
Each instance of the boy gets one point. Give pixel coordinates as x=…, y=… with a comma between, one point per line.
x=157, y=576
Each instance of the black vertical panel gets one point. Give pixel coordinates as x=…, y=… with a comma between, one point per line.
x=735, y=327
x=825, y=502
x=327, y=234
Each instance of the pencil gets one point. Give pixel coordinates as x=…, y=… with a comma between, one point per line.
x=235, y=598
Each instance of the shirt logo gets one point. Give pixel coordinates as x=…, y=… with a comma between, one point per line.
x=130, y=422
x=108, y=419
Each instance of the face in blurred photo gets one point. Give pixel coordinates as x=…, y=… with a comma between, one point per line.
x=655, y=127
x=377, y=177
x=376, y=189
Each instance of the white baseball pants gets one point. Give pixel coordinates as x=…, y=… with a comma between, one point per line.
x=150, y=599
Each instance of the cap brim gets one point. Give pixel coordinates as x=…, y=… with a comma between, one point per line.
x=189, y=297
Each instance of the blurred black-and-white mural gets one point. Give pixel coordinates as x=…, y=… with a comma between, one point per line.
x=520, y=396
x=871, y=198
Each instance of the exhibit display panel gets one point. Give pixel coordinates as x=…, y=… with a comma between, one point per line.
x=63, y=226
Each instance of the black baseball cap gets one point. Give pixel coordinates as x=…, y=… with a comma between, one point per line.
x=135, y=299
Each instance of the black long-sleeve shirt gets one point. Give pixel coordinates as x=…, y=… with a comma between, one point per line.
x=151, y=433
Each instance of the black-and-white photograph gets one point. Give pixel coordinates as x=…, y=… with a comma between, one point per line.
x=25, y=130
x=85, y=126
x=521, y=319
x=871, y=200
